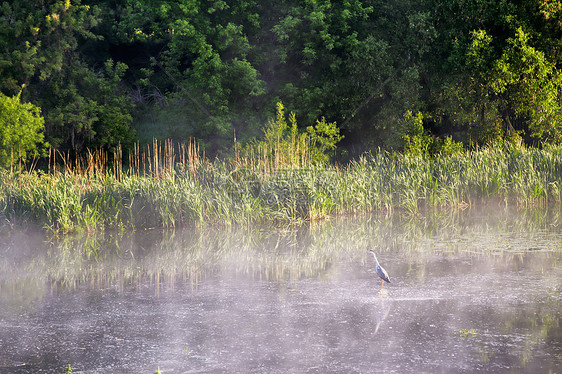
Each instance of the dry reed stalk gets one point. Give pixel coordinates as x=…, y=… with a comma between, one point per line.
x=49, y=167
x=118, y=163
x=91, y=166
x=103, y=162
x=136, y=148
x=171, y=156
x=193, y=157
x=67, y=166
x=182, y=151
x=236, y=150
x=156, y=157
x=277, y=154
x=147, y=158
x=134, y=160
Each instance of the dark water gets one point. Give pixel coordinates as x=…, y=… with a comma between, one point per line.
x=472, y=291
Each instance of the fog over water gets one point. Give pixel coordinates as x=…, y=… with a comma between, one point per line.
x=472, y=290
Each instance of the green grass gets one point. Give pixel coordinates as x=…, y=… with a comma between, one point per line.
x=175, y=188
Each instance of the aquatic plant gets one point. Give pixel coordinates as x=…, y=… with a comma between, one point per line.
x=466, y=333
x=171, y=185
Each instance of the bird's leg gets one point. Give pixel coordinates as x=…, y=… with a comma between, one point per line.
x=382, y=283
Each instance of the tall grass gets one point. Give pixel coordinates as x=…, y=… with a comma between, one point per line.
x=169, y=185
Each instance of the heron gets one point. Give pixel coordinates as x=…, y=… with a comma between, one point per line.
x=380, y=271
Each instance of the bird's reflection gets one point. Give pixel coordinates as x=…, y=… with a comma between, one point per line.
x=382, y=313
x=382, y=305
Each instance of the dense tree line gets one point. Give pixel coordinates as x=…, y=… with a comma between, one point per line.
x=389, y=73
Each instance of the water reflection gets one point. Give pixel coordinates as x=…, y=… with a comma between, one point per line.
x=382, y=311
x=472, y=290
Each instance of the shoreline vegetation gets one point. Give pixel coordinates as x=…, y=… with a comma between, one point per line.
x=437, y=104
x=172, y=185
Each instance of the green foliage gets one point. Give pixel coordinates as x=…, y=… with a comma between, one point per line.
x=89, y=110
x=501, y=80
x=113, y=109
x=37, y=37
x=323, y=136
x=449, y=147
x=530, y=86
x=281, y=145
x=417, y=140
x=196, y=77
x=339, y=63
x=21, y=130
x=284, y=146
x=83, y=106
x=419, y=143
x=482, y=72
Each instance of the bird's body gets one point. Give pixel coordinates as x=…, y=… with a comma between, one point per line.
x=380, y=271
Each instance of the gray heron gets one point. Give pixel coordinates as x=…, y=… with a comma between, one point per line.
x=380, y=271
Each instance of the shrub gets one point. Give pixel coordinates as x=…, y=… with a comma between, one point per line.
x=21, y=130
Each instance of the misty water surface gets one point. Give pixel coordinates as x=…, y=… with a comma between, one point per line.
x=472, y=290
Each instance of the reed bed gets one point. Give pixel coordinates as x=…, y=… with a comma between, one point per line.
x=171, y=185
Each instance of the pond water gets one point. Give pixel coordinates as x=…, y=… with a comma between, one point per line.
x=472, y=290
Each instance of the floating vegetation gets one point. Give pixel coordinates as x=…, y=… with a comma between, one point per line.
x=466, y=333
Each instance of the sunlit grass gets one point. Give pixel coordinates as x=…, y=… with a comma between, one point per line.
x=172, y=186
